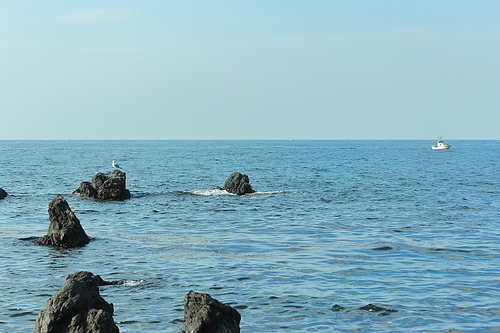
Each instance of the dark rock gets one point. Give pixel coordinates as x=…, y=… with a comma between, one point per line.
x=238, y=183
x=383, y=248
x=109, y=186
x=29, y=239
x=77, y=308
x=86, y=190
x=204, y=314
x=65, y=229
x=3, y=194
x=375, y=308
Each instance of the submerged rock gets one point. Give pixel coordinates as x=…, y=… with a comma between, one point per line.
x=3, y=194
x=375, y=308
x=204, y=314
x=238, y=183
x=109, y=186
x=77, y=308
x=65, y=229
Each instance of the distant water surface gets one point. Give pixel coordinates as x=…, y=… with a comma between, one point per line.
x=341, y=236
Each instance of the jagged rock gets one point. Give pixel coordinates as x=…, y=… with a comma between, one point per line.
x=204, y=314
x=77, y=308
x=109, y=186
x=3, y=194
x=65, y=229
x=238, y=183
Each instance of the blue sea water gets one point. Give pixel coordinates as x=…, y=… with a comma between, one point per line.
x=333, y=227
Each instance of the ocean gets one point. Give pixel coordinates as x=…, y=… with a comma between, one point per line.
x=340, y=236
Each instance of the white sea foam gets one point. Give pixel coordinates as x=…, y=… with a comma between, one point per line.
x=269, y=192
x=207, y=193
x=216, y=192
x=133, y=283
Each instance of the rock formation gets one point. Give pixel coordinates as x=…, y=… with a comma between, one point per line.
x=204, y=314
x=109, y=186
x=238, y=183
x=3, y=194
x=77, y=308
x=65, y=229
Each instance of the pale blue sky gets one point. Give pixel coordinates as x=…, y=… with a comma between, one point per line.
x=250, y=69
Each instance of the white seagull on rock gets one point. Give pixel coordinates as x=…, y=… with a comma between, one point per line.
x=114, y=165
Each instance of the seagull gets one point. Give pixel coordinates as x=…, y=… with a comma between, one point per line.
x=114, y=165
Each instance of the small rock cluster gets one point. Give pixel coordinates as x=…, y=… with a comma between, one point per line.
x=79, y=308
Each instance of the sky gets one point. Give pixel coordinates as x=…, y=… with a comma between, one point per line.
x=249, y=70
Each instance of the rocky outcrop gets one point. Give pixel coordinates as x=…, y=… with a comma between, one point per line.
x=204, y=314
x=109, y=186
x=77, y=308
x=65, y=229
x=238, y=183
x=3, y=194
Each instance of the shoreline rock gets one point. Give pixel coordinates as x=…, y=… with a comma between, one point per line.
x=65, y=229
x=109, y=186
x=204, y=314
x=77, y=307
x=238, y=183
x=3, y=194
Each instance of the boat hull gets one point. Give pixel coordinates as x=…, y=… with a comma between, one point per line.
x=441, y=145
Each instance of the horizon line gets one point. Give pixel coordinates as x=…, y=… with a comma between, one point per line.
x=246, y=139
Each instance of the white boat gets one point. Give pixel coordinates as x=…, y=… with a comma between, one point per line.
x=441, y=145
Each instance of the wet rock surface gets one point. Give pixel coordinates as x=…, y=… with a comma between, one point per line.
x=77, y=308
x=65, y=229
x=204, y=314
x=380, y=310
x=105, y=186
x=238, y=183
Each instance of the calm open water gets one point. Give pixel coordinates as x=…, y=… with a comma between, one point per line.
x=334, y=226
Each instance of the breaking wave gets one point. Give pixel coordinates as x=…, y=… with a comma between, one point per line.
x=218, y=192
